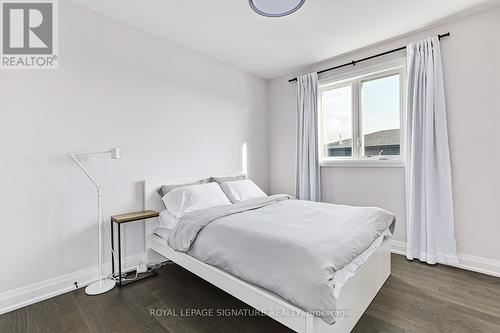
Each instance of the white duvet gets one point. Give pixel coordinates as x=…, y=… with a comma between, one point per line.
x=290, y=247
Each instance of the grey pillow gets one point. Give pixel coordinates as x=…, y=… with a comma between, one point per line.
x=220, y=180
x=167, y=188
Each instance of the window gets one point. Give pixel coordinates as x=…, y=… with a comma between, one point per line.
x=337, y=120
x=361, y=117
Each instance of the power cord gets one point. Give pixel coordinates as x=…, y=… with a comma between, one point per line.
x=150, y=268
x=124, y=275
x=159, y=265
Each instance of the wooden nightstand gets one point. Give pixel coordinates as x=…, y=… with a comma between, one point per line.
x=119, y=220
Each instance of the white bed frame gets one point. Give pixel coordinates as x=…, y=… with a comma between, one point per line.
x=354, y=297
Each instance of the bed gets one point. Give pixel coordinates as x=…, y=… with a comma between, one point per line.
x=354, y=297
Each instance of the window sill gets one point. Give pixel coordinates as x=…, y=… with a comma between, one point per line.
x=363, y=164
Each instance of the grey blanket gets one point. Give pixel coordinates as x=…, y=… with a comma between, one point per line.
x=292, y=248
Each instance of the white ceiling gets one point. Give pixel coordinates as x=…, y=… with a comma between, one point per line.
x=230, y=31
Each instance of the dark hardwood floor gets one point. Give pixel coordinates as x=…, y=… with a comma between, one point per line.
x=415, y=298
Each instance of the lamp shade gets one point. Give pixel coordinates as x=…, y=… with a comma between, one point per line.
x=115, y=153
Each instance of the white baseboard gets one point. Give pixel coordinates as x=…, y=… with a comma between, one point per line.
x=398, y=247
x=466, y=261
x=479, y=264
x=20, y=297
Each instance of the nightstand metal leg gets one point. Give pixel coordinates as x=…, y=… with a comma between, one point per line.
x=113, y=250
x=119, y=256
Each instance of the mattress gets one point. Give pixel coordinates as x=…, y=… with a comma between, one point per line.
x=162, y=232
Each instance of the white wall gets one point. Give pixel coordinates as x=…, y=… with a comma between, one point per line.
x=172, y=111
x=472, y=74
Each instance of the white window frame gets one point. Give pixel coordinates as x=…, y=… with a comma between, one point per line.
x=354, y=78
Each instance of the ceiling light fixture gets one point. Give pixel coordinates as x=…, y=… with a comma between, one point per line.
x=276, y=8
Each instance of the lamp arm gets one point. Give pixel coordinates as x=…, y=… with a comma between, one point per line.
x=90, y=153
x=80, y=165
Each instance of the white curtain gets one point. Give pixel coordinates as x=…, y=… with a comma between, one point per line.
x=307, y=185
x=429, y=202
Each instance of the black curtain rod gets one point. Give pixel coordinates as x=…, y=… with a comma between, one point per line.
x=354, y=62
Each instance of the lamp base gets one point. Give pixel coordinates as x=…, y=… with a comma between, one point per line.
x=96, y=288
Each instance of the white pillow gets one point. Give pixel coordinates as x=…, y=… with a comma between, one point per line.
x=187, y=199
x=240, y=190
x=167, y=220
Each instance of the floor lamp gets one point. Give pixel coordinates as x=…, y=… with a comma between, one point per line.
x=102, y=285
